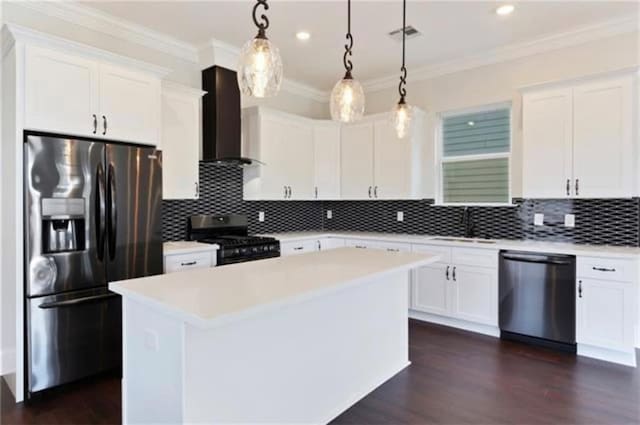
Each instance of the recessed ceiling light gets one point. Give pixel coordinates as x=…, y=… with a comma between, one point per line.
x=505, y=9
x=471, y=123
x=303, y=35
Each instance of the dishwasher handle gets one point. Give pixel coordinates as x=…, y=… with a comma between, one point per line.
x=536, y=259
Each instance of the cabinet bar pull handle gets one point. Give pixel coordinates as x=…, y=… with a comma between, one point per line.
x=189, y=263
x=197, y=189
x=577, y=187
x=289, y=191
x=375, y=192
x=580, y=289
x=104, y=125
x=393, y=249
x=95, y=124
x=603, y=269
x=316, y=192
x=285, y=192
x=448, y=267
x=298, y=248
x=369, y=191
x=454, y=274
x=568, y=187
x=360, y=246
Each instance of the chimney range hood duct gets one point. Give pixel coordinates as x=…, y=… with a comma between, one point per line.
x=221, y=125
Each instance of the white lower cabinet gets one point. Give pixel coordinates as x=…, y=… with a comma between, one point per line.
x=310, y=245
x=462, y=290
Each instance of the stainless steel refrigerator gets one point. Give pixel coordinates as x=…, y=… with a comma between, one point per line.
x=92, y=216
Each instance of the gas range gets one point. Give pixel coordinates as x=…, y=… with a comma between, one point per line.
x=230, y=232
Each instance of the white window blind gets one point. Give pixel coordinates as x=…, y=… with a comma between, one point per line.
x=475, y=157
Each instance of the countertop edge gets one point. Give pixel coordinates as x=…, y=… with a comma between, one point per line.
x=205, y=324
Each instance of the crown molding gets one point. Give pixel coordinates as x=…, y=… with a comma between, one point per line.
x=512, y=51
x=96, y=20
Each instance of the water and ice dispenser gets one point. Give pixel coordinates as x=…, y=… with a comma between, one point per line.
x=63, y=225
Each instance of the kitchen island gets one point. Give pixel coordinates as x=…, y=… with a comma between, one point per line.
x=289, y=339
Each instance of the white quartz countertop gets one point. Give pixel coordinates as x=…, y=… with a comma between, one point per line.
x=187, y=247
x=213, y=296
x=497, y=244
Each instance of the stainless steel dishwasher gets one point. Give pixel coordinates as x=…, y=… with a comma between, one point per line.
x=538, y=299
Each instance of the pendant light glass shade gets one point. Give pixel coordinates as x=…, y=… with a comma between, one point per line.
x=347, y=97
x=402, y=116
x=259, y=68
x=347, y=100
x=402, y=113
x=260, y=64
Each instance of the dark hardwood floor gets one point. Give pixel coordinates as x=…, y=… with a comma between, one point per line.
x=455, y=377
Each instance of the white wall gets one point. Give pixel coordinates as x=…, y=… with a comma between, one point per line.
x=501, y=82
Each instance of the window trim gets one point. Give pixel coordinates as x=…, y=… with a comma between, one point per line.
x=440, y=159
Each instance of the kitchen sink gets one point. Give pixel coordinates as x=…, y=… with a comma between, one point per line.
x=466, y=240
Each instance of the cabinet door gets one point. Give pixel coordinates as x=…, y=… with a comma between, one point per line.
x=273, y=144
x=129, y=106
x=475, y=295
x=392, y=163
x=602, y=144
x=326, y=145
x=356, y=166
x=431, y=289
x=605, y=314
x=61, y=92
x=547, y=144
x=298, y=160
x=331, y=243
x=299, y=247
x=180, y=145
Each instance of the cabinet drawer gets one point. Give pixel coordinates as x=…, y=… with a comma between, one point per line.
x=299, y=247
x=443, y=251
x=176, y=263
x=392, y=246
x=606, y=269
x=474, y=257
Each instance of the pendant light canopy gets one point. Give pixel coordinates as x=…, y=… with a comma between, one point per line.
x=402, y=113
x=260, y=65
x=347, y=96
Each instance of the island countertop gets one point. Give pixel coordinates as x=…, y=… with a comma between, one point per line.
x=210, y=297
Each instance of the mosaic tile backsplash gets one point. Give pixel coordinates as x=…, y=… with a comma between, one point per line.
x=598, y=221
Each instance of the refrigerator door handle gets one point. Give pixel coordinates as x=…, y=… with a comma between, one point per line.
x=112, y=214
x=101, y=211
x=76, y=301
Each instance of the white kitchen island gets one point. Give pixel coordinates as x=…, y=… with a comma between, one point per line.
x=287, y=340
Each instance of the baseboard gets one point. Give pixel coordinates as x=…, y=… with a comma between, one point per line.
x=627, y=358
x=362, y=394
x=7, y=362
x=489, y=330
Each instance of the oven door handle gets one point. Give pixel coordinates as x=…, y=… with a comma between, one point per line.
x=535, y=259
x=77, y=301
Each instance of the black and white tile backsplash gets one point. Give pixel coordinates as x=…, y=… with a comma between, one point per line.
x=598, y=221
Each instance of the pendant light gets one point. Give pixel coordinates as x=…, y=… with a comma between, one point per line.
x=260, y=65
x=402, y=113
x=347, y=96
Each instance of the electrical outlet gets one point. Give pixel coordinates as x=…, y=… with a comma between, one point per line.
x=400, y=216
x=538, y=219
x=329, y=214
x=150, y=338
x=569, y=220
x=261, y=216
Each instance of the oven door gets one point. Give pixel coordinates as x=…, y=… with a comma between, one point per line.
x=71, y=336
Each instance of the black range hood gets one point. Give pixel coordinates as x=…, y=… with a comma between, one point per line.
x=221, y=122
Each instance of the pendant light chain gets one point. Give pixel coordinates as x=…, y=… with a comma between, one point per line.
x=403, y=77
x=262, y=26
x=348, y=65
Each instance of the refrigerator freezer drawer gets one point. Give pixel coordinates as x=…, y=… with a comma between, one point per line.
x=71, y=336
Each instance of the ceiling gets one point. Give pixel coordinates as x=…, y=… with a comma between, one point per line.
x=450, y=29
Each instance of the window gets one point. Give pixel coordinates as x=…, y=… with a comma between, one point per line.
x=475, y=149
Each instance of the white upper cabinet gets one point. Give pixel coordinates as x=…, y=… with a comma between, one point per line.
x=602, y=139
x=76, y=95
x=548, y=139
x=357, y=161
x=284, y=144
x=129, y=105
x=180, y=141
x=326, y=149
x=61, y=93
x=577, y=140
